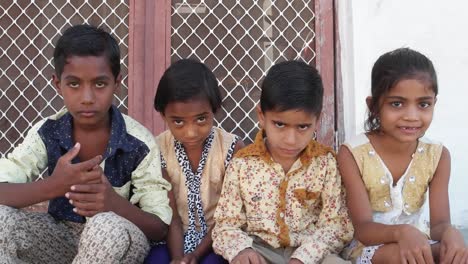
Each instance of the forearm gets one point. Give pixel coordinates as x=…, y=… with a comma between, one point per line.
x=229, y=239
x=205, y=245
x=438, y=230
x=151, y=225
x=19, y=195
x=175, y=238
x=373, y=233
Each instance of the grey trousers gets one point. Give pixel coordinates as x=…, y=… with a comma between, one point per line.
x=36, y=237
x=283, y=255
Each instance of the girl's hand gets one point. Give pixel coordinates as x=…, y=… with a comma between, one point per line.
x=452, y=248
x=414, y=247
x=189, y=258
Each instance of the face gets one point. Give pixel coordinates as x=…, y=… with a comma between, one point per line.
x=288, y=132
x=190, y=121
x=87, y=86
x=406, y=110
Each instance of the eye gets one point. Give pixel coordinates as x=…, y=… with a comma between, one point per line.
x=178, y=122
x=424, y=104
x=396, y=104
x=279, y=124
x=73, y=84
x=303, y=127
x=101, y=84
x=201, y=119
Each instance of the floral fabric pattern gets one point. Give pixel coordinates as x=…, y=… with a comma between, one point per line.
x=302, y=208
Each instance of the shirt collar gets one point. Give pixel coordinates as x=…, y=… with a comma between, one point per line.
x=118, y=136
x=258, y=148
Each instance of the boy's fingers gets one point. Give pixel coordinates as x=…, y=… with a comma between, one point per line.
x=85, y=206
x=91, y=177
x=72, y=153
x=85, y=213
x=104, y=179
x=81, y=197
x=87, y=188
x=90, y=164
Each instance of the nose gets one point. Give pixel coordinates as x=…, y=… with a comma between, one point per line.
x=192, y=131
x=290, y=137
x=88, y=95
x=411, y=114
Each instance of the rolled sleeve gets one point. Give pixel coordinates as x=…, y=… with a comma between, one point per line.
x=150, y=188
x=26, y=161
x=333, y=228
x=228, y=237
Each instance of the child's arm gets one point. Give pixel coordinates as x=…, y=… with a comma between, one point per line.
x=153, y=213
x=175, y=235
x=333, y=228
x=27, y=160
x=228, y=237
x=412, y=243
x=200, y=251
x=452, y=243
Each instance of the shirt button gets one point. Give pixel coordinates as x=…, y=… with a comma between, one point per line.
x=281, y=215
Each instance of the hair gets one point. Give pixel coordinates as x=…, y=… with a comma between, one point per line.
x=388, y=70
x=184, y=80
x=292, y=85
x=86, y=40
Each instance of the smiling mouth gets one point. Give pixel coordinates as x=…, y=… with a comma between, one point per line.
x=410, y=128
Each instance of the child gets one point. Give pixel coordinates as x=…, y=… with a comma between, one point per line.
x=388, y=170
x=101, y=164
x=195, y=155
x=282, y=198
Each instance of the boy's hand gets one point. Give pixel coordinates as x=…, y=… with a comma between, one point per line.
x=67, y=174
x=90, y=199
x=452, y=248
x=249, y=256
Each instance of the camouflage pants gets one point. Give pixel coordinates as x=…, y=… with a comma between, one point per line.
x=32, y=237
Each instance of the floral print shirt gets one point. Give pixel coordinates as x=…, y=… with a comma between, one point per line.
x=303, y=208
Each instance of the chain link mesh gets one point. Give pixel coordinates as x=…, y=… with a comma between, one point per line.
x=240, y=41
x=28, y=32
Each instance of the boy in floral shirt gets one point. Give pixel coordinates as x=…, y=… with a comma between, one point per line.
x=282, y=199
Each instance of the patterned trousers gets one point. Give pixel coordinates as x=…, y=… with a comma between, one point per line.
x=32, y=237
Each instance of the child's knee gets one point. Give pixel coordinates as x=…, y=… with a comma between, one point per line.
x=109, y=225
x=7, y=217
x=8, y=221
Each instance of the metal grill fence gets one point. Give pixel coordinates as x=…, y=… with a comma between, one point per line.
x=28, y=32
x=240, y=41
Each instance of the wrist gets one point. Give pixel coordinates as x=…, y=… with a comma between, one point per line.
x=399, y=230
x=52, y=188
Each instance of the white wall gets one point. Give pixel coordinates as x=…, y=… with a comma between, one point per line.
x=438, y=29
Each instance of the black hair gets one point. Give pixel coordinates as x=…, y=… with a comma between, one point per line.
x=292, y=85
x=86, y=40
x=388, y=70
x=184, y=80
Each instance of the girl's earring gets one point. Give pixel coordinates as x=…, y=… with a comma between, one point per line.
x=314, y=137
